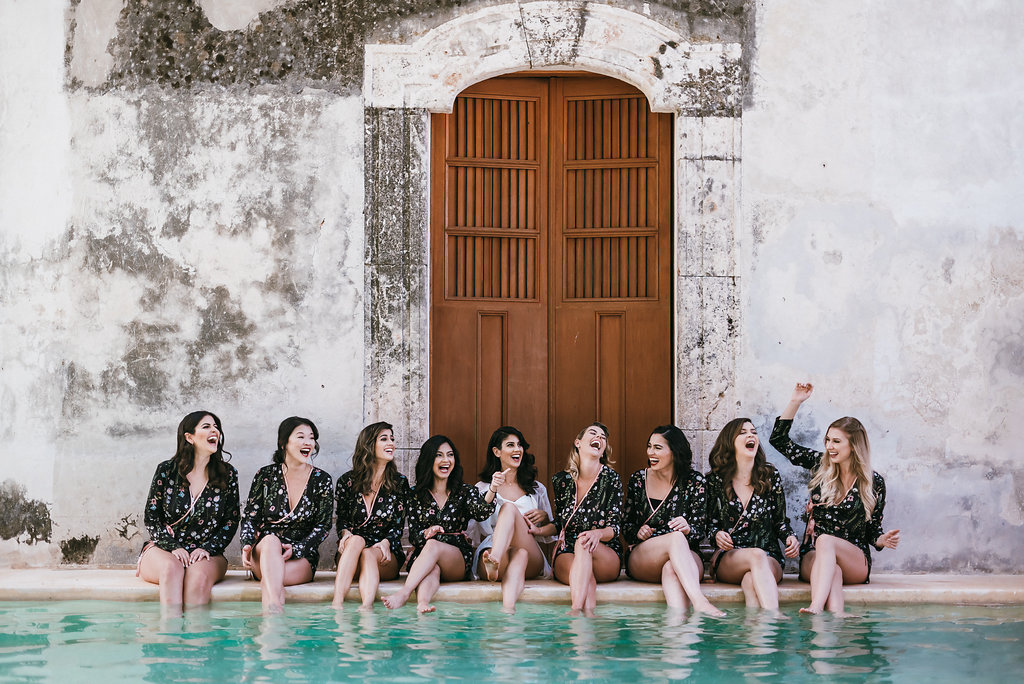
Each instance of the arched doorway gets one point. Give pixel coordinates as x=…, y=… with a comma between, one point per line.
x=551, y=265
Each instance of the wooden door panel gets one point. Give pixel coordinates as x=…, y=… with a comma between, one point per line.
x=551, y=269
x=611, y=271
x=488, y=264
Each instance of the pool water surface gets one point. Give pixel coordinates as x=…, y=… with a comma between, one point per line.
x=77, y=641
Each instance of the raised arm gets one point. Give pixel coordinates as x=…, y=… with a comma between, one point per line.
x=797, y=455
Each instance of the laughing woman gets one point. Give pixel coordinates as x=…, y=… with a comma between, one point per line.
x=666, y=518
x=440, y=508
x=288, y=514
x=510, y=539
x=747, y=516
x=191, y=514
x=845, y=510
x=588, y=514
x=372, y=500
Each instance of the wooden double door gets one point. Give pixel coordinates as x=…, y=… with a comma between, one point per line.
x=551, y=267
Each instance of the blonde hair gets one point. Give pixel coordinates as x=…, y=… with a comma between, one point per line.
x=827, y=478
x=574, y=453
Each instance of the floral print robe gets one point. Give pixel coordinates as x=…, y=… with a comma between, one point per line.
x=385, y=521
x=687, y=499
x=601, y=507
x=267, y=512
x=845, y=520
x=209, y=525
x=463, y=504
x=762, y=524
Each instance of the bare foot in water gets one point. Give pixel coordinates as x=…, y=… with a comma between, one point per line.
x=710, y=610
x=491, y=566
x=425, y=608
x=808, y=611
x=396, y=600
x=363, y=608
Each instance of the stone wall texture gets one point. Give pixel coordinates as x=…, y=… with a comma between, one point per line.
x=220, y=204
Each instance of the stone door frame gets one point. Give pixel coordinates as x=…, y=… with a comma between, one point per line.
x=701, y=84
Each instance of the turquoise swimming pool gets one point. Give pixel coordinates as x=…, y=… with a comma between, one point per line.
x=104, y=641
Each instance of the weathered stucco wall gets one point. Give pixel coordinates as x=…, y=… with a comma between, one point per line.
x=884, y=237
x=184, y=222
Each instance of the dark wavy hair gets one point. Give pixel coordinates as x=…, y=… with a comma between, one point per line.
x=185, y=457
x=723, y=459
x=363, y=458
x=682, y=454
x=425, y=467
x=285, y=430
x=526, y=473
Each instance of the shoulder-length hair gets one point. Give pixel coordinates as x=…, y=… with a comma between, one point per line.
x=363, y=457
x=827, y=476
x=574, y=454
x=184, y=458
x=425, y=467
x=526, y=473
x=284, y=433
x=723, y=459
x=682, y=454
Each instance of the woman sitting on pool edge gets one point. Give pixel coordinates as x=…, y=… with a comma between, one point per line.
x=845, y=510
x=287, y=515
x=509, y=541
x=666, y=518
x=372, y=499
x=191, y=515
x=747, y=516
x=439, y=509
x=588, y=516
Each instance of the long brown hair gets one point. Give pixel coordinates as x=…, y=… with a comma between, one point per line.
x=184, y=458
x=363, y=458
x=723, y=459
x=827, y=474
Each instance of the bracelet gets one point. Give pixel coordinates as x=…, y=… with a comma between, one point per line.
x=492, y=491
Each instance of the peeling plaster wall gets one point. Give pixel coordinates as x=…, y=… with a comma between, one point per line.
x=884, y=248
x=193, y=212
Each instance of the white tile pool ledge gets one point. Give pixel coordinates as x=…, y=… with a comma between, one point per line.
x=122, y=585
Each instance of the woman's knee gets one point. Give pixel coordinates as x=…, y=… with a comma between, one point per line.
x=580, y=549
x=507, y=510
x=269, y=543
x=172, y=570
x=825, y=542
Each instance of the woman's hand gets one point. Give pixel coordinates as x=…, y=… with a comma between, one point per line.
x=644, y=533
x=792, y=546
x=198, y=555
x=724, y=540
x=345, y=536
x=679, y=524
x=247, y=556
x=536, y=517
x=430, y=532
x=182, y=556
x=889, y=540
x=498, y=479
x=384, y=546
x=802, y=392
x=286, y=551
x=590, y=539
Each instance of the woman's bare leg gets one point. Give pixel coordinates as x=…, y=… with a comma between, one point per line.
x=372, y=569
x=829, y=554
x=675, y=597
x=514, y=581
x=268, y=562
x=649, y=557
x=200, y=578
x=348, y=565
x=161, y=567
x=749, y=593
x=582, y=570
x=836, y=601
x=765, y=573
x=435, y=555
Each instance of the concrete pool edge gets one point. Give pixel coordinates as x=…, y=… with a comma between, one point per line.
x=43, y=584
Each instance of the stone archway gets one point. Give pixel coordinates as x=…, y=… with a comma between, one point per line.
x=700, y=83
